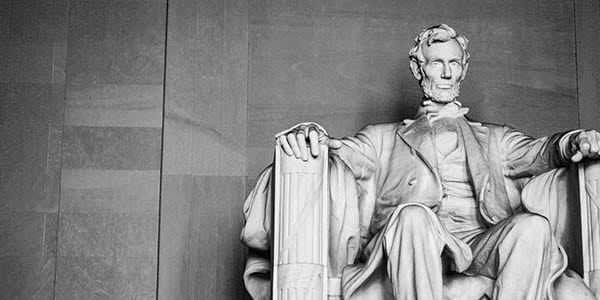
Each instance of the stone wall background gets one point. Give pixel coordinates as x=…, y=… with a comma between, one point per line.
x=132, y=130
x=81, y=91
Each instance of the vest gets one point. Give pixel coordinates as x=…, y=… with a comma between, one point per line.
x=458, y=210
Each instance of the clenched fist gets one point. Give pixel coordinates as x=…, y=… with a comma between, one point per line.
x=585, y=144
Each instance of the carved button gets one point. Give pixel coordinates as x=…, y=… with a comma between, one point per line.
x=412, y=181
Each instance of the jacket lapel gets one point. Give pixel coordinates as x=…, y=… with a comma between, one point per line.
x=475, y=138
x=417, y=134
x=488, y=182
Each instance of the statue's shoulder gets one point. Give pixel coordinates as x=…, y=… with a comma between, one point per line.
x=382, y=129
x=493, y=130
x=488, y=125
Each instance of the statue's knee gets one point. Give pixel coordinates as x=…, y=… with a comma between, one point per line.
x=413, y=216
x=532, y=227
x=411, y=224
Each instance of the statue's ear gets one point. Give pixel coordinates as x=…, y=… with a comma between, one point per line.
x=416, y=69
x=464, y=71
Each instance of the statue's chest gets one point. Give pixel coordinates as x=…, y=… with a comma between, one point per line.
x=407, y=176
x=444, y=137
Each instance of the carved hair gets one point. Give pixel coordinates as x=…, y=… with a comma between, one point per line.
x=437, y=34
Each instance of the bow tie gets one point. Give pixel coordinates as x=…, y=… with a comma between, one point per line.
x=435, y=111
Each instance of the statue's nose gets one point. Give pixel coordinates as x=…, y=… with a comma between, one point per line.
x=446, y=72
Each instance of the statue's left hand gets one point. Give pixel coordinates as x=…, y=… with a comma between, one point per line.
x=585, y=144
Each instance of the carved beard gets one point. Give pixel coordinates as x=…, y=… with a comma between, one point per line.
x=437, y=95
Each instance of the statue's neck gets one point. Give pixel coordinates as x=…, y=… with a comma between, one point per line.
x=429, y=106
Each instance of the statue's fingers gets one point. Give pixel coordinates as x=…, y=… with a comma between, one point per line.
x=596, y=141
x=291, y=137
x=286, y=146
x=301, y=138
x=577, y=157
x=313, y=137
x=306, y=130
x=594, y=147
x=583, y=144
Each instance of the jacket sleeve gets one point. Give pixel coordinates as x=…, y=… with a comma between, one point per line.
x=359, y=152
x=523, y=156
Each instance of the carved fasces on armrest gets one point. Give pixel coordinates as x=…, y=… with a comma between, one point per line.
x=300, y=234
x=589, y=194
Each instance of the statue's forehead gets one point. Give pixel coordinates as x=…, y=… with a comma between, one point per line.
x=450, y=50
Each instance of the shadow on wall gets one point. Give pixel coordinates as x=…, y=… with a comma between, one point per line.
x=400, y=101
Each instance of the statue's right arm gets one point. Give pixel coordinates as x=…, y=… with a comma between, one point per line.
x=357, y=152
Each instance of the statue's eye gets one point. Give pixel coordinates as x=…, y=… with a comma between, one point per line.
x=454, y=63
x=435, y=63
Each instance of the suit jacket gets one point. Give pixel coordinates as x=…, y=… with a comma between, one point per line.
x=395, y=164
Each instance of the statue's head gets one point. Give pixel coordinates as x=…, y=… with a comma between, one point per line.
x=439, y=61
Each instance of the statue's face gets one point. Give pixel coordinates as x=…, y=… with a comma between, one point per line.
x=442, y=71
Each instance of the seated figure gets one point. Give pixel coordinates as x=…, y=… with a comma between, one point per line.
x=446, y=220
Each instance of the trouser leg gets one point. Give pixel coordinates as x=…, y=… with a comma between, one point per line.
x=413, y=250
x=517, y=253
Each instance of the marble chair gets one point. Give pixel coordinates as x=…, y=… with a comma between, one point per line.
x=314, y=237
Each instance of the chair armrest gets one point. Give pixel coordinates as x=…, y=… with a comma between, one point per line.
x=589, y=197
x=300, y=231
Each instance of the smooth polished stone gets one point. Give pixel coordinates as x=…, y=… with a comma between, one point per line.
x=177, y=147
x=59, y=66
x=27, y=62
x=174, y=278
x=108, y=235
x=39, y=20
x=116, y=42
x=29, y=189
x=587, y=23
x=111, y=148
x=30, y=278
x=109, y=191
x=106, y=278
x=176, y=215
x=32, y=102
x=174, y=275
x=22, y=234
x=216, y=201
x=29, y=171
x=206, y=101
x=5, y=16
x=53, y=160
x=116, y=105
x=50, y=234
x=224, y=145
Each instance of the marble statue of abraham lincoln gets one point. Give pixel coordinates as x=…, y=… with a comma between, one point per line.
x=445, y=192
